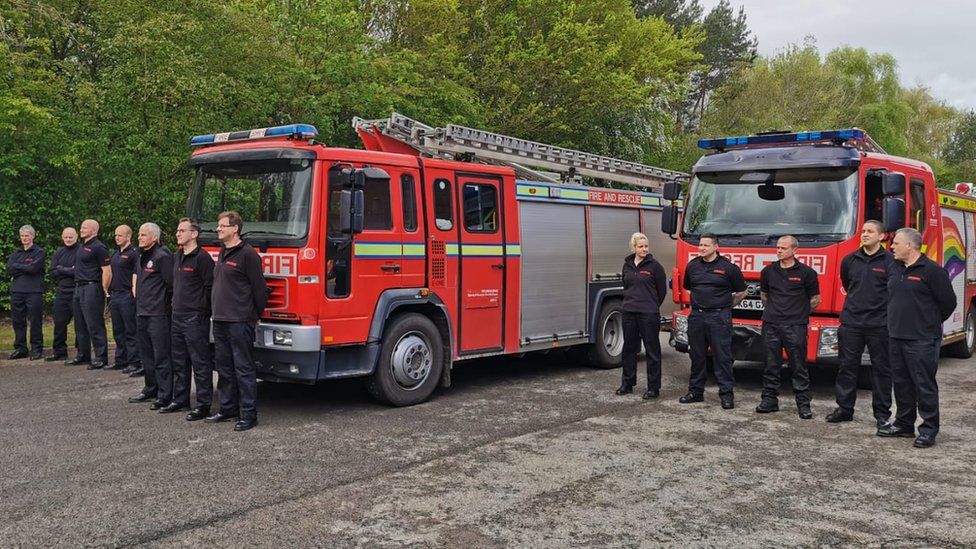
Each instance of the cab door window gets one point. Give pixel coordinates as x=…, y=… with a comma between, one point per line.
x=443, y=208
x=916, y=211
x=480, y=208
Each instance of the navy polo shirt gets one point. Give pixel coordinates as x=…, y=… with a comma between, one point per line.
x=788, y=293
x=712, y=283
x=90, y=257
x=125, y=263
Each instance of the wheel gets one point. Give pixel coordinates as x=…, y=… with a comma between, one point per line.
x=964, y=347
x=607, y=351
x=411, y=361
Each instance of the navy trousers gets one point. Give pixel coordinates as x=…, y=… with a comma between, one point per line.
x=124, y=329
x=154, y=346
x=792, y=338
x=914, y=363
x=234, y=359
x=89, y=311
x=27, y=307
x=710, y=329
x=191, y=356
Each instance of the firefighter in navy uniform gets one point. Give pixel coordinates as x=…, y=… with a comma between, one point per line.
x=92, y=276
x=192, y=284
x=240, y=294
x=920, y=299
x=125, y=263
x=154, y=291
x=863, y=322
x=26, y=266
x=645, y=286
x=62, y=271
x=789, y=291
x=716, y=285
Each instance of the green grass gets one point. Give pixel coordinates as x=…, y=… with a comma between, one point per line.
x=7, y=334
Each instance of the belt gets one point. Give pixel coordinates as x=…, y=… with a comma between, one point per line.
x=707, y=310
x=85, y=283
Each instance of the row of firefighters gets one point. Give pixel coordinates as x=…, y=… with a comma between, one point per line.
x=161, y=304
x=895, y=304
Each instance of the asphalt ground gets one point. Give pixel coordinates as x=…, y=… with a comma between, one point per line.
x=530, y=452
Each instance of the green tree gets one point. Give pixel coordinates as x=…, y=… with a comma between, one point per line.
x=960, y=151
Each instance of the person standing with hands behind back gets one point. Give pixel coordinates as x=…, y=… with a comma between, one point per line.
x=920, y=299
x=239, y=296
x=645, y=286
x=789, y=291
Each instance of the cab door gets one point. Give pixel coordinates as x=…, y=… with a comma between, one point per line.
x=482, y=253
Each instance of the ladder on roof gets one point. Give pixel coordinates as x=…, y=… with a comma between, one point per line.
x=528, y=158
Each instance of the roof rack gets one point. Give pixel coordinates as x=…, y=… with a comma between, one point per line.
x=530, y=159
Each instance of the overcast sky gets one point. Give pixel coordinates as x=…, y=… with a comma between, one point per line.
x=933, y=42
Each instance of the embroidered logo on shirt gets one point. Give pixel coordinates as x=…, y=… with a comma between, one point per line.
x=719, y=271
x=149, y=265
x=915, y=278
x=648, y=273
x=87, y=249
x=188, y=269
x=232, y=264
x=795, y=279
x=878, y=270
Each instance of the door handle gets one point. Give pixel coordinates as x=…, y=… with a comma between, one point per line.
x=394, y=268
x=498, y=266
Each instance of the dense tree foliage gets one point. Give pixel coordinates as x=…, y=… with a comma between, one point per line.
x=99, y=97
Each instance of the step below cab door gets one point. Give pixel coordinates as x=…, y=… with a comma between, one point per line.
x=482, y=263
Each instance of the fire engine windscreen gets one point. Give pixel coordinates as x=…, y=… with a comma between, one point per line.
x=819, y=204
x=272, y=197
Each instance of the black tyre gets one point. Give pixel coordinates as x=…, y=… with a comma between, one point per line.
x=964, y=348
x=411, y=361
x=607, y=351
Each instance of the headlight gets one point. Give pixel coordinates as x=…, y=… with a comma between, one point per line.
x=281, y=337
x=681, y=328
x=828, y=342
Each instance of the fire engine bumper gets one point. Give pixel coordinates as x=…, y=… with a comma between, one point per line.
x=290, y=353
x=747, y=343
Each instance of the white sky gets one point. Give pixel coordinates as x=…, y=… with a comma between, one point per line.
x=933, y=42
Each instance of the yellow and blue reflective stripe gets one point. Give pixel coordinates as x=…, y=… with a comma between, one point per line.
x=388, y=250
x=528, y=189
x=414, y=250
x=453, y=249
x=531, y=190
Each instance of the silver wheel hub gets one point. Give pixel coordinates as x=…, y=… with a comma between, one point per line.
x=411, y=361
x=613, y=333
x=970, y=332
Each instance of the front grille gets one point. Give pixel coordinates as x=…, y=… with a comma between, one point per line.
x=277, y=293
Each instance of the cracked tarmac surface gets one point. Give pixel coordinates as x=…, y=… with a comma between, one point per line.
x=519, y=452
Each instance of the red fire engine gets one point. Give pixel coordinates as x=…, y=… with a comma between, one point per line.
x=819, y=187
x=395, y=262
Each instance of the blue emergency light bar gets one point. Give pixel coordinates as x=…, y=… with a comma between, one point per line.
x=300, y=131
x=782, y=139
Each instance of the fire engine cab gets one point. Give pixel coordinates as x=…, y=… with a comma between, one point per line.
x=396, y=262
x=819, y=187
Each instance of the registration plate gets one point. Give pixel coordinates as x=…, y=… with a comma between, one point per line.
x=750, y=305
